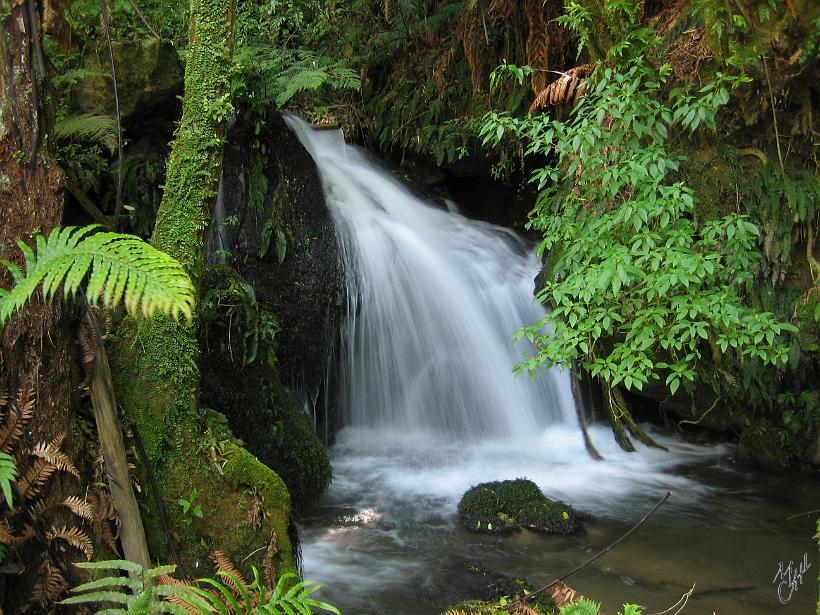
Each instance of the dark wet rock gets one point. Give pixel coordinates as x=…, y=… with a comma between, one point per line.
x=505, y=506
x=282, y=240
x=486, y=589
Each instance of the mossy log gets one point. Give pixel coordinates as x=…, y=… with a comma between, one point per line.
x=157, y=361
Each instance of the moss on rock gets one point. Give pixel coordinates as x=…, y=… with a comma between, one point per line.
x=258, y=408
x=549, y=517
x=505, y=506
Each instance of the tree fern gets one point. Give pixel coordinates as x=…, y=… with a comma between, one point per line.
x=278, y=75
x=100, y=129
x=123, y=269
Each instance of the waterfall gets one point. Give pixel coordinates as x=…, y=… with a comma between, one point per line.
x=217, y=248
x=433, y=301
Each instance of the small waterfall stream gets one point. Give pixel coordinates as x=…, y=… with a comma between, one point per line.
x=431, y=407
x=433, y=301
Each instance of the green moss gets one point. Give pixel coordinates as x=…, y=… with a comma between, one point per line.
x=251, y=396
x=157, y=362
x=504, y=506
x=549, y=517
x=244, y=471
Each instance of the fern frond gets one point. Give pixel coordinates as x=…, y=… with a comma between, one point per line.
x=8, y=474
x=38, y=473
x=73, y=536
x=79, y=507
x=123, y=269
x=6, y=537
x=100, y=129
x=20, y=414
x=51, y=453
x=50, y=585
x=581, y=607
x=4, y=395
x=226, y=569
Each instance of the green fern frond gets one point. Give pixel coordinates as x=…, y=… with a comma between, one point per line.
x=581, y=607
x=123, y=269
x=8, y=474
x=100, y=129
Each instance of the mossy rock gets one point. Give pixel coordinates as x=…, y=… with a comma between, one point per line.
x=549, y=517
x=504, y=506
x=258, y=408
x=149, y=74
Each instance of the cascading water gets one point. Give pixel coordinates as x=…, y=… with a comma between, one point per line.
x=433, y=301
x=431, y=407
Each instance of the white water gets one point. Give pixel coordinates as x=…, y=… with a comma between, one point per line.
x=429, y=401
x=433, y=300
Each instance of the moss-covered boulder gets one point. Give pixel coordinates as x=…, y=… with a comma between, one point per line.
x=241, y=380
x=149, y=74
x=505, y=506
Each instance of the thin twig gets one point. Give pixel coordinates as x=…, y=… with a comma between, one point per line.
x=143, y=19
x=163, y=514
x=683, y=599
x=803, y=514
x=594, y=557
x=106, y=19
x=774, y=119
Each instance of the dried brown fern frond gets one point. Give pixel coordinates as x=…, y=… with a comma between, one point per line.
x=166, y=580
x=81, y=508
x=562, y=594
x=38, y=509
x=20, y=413
x=51, y=453
x=223, y=563
x=73, y=536
x=50, y=586
x=566, y=89
x=23, y=536
x=268, y=569
x=104, y=522
x=457, y=612
x=523, y=609
x=4, y=395
x=5, y=533
x=537, y=44
x=29, y=484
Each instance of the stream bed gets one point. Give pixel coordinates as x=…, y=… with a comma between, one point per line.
x=385, y=539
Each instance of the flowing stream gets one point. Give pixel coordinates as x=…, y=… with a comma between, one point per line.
x=431, y=407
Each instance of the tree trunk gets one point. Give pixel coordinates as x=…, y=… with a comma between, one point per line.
x=34, y=345
x=157, y=373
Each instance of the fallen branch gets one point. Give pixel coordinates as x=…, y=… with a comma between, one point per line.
x=594, y=557
x=680, y=604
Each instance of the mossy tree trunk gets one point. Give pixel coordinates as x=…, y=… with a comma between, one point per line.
x=156, y=361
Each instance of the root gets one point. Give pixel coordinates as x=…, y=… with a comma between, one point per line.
x=582, y=420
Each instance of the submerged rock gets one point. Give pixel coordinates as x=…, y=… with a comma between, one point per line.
x=505, y=506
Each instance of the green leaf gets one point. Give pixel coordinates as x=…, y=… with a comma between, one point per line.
x=124, y=269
